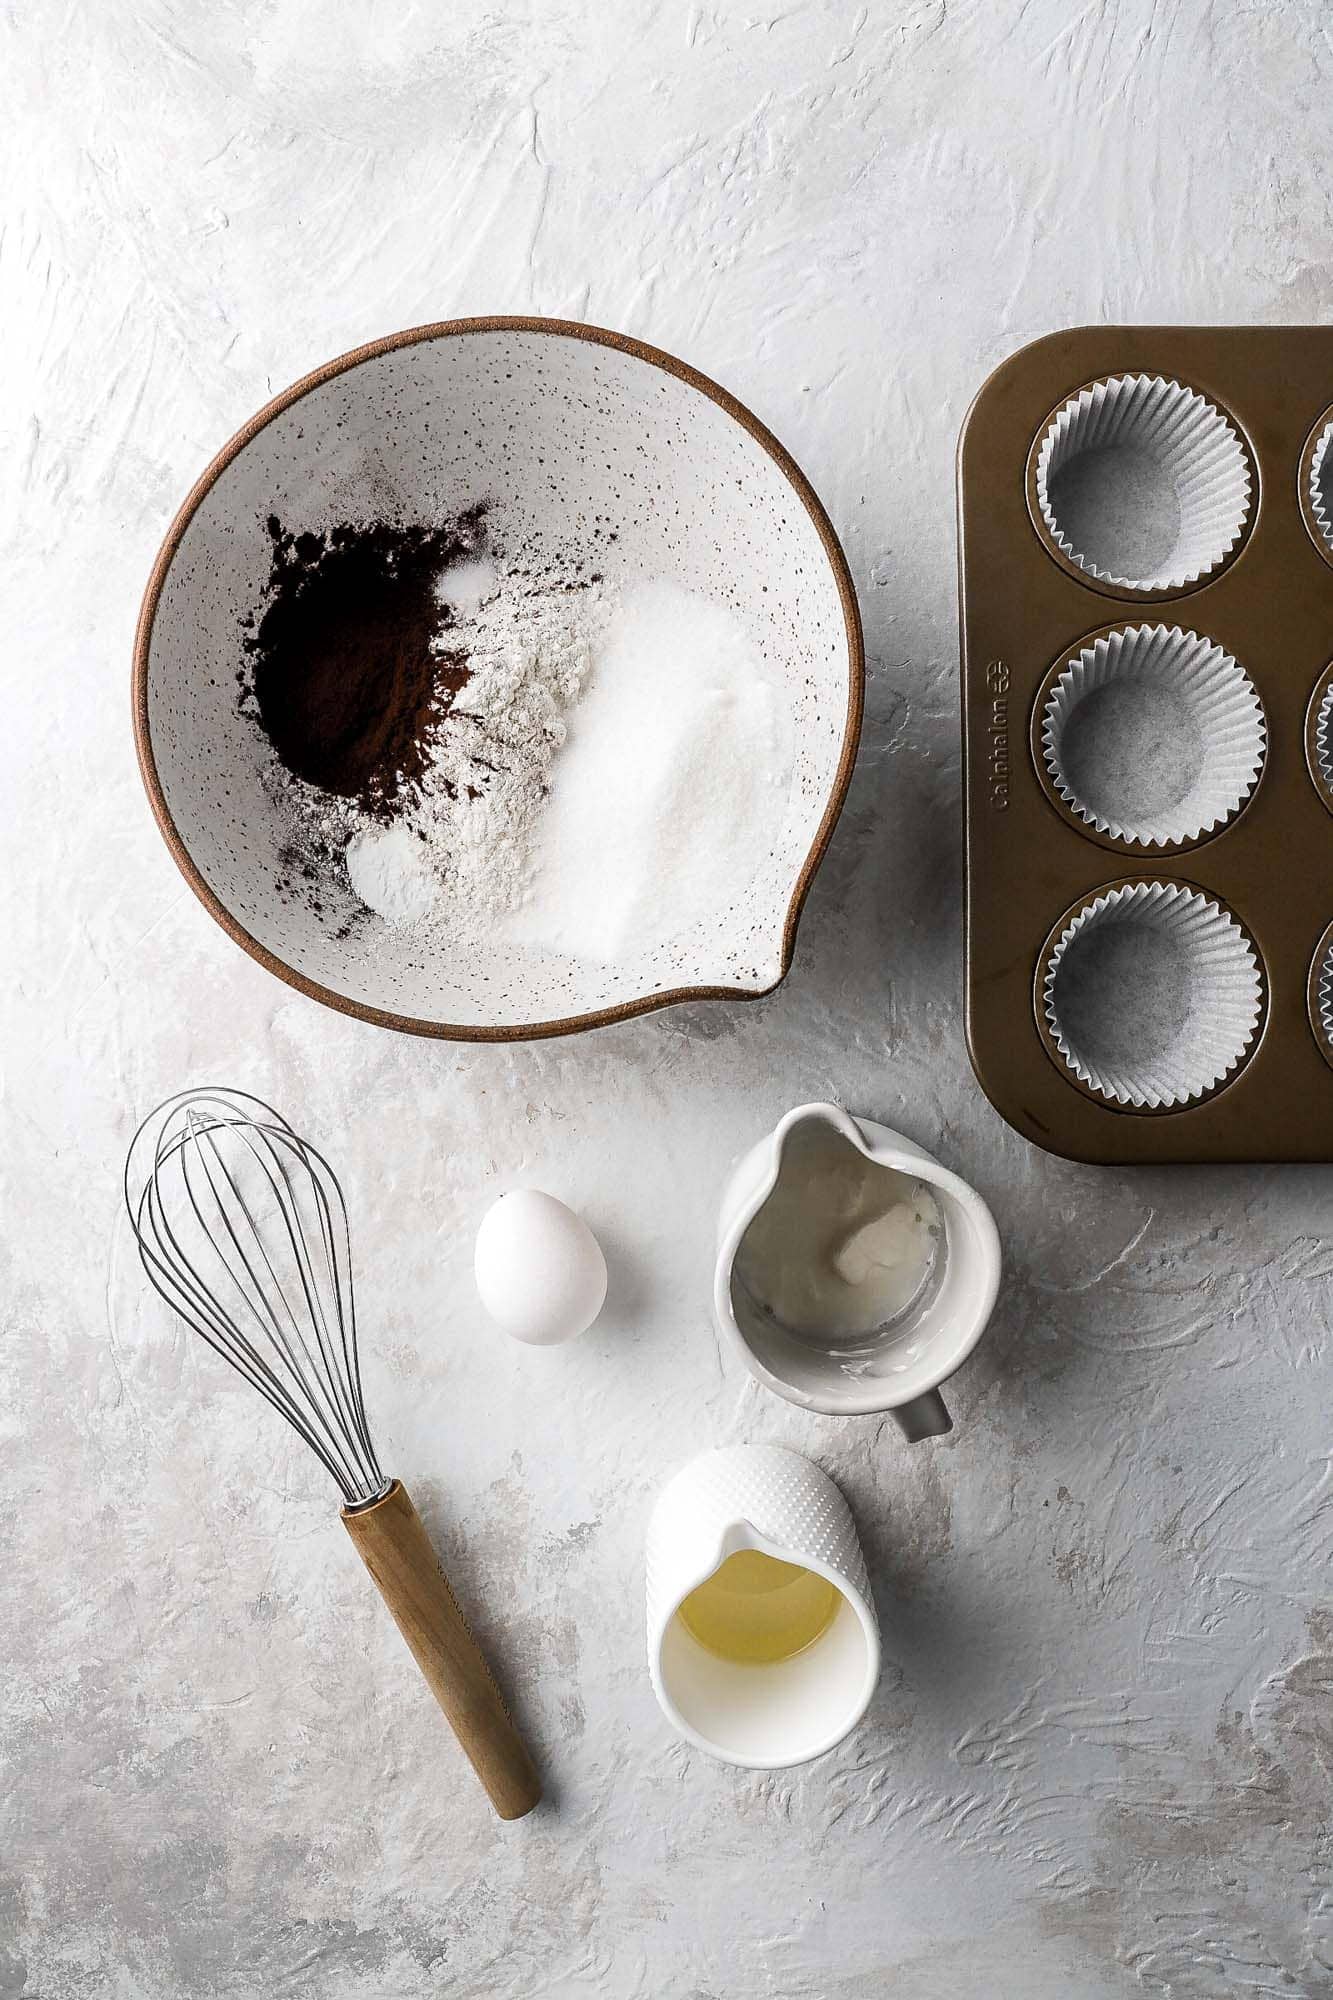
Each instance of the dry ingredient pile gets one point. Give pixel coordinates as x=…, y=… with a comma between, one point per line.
x=569, y=767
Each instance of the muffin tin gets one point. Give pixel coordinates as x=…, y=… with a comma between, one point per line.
x=1146, y=582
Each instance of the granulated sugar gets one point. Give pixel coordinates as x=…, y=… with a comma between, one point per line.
x=666, y=797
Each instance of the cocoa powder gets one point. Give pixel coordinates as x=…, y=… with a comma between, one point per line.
x=344, y=675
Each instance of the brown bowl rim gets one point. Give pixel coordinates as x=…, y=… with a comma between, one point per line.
x=448, y=329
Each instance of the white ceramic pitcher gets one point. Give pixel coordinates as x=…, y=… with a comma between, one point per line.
x=905, y=1377
x=764, y=1497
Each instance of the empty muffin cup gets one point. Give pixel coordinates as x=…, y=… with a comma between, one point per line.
x=1318, y=487
x=1150, y=995
x=1142, y=484
x=1152, y=735
x=1320, y=995
x=1319, y=737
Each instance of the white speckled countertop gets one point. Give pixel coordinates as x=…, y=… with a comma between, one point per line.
x=1099, y=1761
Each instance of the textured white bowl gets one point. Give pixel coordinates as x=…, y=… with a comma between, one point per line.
x=764, y=1497
x=557, y=427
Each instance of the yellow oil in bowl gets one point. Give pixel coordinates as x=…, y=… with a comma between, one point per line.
x=758, y=1611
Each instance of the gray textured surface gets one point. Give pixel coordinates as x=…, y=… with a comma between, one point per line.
x=1099, y=1761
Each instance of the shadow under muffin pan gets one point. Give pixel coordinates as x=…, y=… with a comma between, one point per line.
x=1146, y=583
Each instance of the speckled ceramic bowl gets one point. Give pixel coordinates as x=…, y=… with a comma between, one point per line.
x=553, y=425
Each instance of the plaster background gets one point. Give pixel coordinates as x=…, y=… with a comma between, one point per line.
x=1099, y=1760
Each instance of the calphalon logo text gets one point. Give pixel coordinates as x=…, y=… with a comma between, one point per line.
x=997, y=732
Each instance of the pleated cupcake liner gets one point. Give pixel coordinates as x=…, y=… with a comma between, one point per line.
x=1321, y=485
x=1323, y=739
x=1323, y=996
x=1189, y=436
x=1227, y=997
x=1223, y=705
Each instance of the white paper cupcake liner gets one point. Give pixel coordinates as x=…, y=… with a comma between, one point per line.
x=1320, y=491
x=1194, y=445
x=1323, y=997
x=1145, y=1053
x=1323, y=739
x=1213, y=740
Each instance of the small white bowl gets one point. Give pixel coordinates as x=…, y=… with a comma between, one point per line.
x=555, y=426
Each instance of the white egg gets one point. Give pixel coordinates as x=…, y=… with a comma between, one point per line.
x=540, y=1270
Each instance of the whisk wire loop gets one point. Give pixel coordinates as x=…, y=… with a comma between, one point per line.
x=242, y=1228
x=284, y=1327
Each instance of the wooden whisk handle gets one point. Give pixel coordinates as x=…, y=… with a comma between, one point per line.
x=396, y=1549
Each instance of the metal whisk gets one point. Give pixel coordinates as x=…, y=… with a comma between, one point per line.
x=242, y=1229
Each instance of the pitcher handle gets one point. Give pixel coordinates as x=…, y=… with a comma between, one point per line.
x=924, y=1417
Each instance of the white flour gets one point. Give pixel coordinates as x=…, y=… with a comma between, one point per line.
x=455, y=856
x=658, y=809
